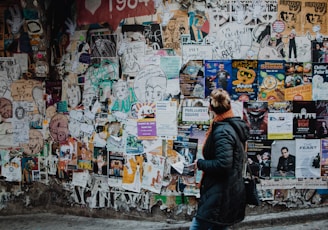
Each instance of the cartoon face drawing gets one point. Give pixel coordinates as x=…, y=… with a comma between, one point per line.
x=154, y=90
x=120, y=90
x=245, y=76
x=150, y=84
x=146, y=111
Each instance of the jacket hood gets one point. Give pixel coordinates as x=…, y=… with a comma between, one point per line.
x=240, y=126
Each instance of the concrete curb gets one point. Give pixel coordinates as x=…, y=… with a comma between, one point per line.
x=272, y=219
x=283, y=218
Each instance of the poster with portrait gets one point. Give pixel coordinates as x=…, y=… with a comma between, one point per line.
x=307, y=158
x=283, y=159
x=290, y=13
x=314, y=12
x=6, y=109
x=318, y=48
x=259, y=157
x=217, y=75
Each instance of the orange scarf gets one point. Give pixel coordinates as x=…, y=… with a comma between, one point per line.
x=219, y=117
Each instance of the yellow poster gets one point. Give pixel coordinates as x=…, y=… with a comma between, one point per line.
x=299, y=93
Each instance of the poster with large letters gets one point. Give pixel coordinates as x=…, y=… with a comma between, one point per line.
x=111, y=11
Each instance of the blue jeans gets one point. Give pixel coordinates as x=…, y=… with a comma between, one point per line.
x=197, y=224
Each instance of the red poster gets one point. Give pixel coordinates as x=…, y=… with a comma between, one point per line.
x=112, y=11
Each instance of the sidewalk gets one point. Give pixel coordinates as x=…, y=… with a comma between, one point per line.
x=48, y=221
x=283, y=218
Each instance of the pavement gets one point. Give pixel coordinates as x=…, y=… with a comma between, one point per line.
x=304, y=219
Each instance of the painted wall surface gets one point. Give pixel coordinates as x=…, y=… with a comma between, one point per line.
x=103, y=103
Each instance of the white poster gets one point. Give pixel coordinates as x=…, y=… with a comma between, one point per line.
x=196, y=52
x=11, y=166
x=80, y=178
x=280, y=126
x=166, y=119
x=306, y=152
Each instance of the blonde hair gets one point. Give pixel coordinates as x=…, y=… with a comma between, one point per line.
x=220, y=101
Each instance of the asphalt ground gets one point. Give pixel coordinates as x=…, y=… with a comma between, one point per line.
x=304, y=219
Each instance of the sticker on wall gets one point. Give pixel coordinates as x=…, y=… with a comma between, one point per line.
x=34, y=27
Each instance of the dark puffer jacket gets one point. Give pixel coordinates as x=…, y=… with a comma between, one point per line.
x=222, y=199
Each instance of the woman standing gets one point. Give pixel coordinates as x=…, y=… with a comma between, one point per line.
x=222, y=201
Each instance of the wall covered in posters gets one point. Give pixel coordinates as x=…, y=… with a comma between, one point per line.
x=111, y=96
